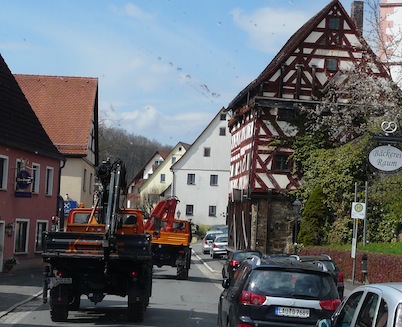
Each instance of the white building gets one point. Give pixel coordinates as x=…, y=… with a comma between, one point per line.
x=201, y=176
x=390, y=47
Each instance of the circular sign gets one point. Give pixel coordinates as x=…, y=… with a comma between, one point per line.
x=386, y=158
x=23, y=179
x=389, y=126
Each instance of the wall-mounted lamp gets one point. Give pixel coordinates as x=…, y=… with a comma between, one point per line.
x=10, y=229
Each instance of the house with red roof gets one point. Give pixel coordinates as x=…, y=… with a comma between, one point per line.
x=67, y=108
x=30, y=167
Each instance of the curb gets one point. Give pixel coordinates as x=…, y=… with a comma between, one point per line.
x=30, y=298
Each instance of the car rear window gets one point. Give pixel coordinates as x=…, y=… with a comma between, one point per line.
x=222, y=239
x=210, y=237
x=292, y=284
x=244, y=255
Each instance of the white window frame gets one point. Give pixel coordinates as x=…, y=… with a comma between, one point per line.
x=3, y=182
x=40, y=221
x=16, y=236
x=163, y=178
x=49, y=181
x=212, y=211
x=35, y=186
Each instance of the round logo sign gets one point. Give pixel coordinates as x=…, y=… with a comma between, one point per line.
x=23, y=179
x=386, y=158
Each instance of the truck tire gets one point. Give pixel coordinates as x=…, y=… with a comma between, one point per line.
x=74, y=302
x=136, y=305
x=136, y=310
x=58, y=313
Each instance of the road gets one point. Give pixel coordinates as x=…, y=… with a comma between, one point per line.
x=192, y=302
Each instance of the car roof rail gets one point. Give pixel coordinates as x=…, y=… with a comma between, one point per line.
x=320, y=265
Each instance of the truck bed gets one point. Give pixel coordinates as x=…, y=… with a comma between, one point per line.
x=91, y=245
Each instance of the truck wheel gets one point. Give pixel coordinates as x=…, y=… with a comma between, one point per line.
x=75, y=302
x=58, y=313
x=182, y=273
x=136, y=311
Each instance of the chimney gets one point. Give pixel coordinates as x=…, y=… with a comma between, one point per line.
x=356, y=12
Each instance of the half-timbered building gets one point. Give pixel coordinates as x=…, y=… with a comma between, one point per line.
x=260, y=213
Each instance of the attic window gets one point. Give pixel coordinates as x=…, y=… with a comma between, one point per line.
x=331, y=64
x=334, y=23
x=223, y=116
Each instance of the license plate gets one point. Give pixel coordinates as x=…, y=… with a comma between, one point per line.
x=292, y=312
x=54, y=281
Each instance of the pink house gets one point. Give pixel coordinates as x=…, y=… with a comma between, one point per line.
x=29, y=176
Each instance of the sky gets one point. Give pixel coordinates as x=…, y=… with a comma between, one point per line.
x=165, y=67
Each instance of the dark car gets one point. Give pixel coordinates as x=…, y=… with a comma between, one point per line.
x=233, y=260
x=329, y=264
x=277, y=293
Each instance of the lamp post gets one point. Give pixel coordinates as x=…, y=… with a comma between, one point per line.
x=296, y=209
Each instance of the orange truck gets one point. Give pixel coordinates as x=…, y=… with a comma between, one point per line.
x=171, y=237
x=101, y=250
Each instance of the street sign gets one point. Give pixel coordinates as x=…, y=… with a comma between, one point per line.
x=358, y=210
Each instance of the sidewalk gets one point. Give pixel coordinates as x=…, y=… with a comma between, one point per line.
x=18, y=287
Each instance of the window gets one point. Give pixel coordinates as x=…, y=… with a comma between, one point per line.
x=163, y=178
x=223, y=117
x=222, y=131
x=49, y=181
x=347, y=312
x=213, y=180
x=189, y=210
x=334, y=23
x=41, y=226
x=207, y=152
x=281, y=163
x=3, y=172
x=21, y=236
x=91, y=177
x=191, y=179
x=84, y=181
x=35, y=178
x=366, y=314
x=331, y=64
x=173, y=160
x=212, y=211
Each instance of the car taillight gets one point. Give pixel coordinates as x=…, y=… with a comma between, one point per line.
x=242, y=324
x=234, y=263
x=330, y=305
x=215, y=246
x=340, y=278
x=252, y=298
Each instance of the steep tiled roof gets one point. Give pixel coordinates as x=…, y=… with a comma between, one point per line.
x=64, y=106
x=19, y=126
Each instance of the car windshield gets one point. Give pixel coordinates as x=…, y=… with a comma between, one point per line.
x=221, y=239
x=210, y=237
x=291, y=284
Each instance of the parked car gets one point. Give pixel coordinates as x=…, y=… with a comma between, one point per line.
x=223, y=228
x=208, y=239
x=378, y=305
x=219, y=245
x=277, y=293
x=329, y=264
x=233, y=260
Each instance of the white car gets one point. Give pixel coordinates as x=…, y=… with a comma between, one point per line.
x=219, y=245
x=378, y=305
x=208, y=239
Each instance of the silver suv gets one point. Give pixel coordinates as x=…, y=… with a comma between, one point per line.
x=277, y=293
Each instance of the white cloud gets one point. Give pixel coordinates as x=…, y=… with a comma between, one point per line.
x=133, y=11
x=269, y=28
